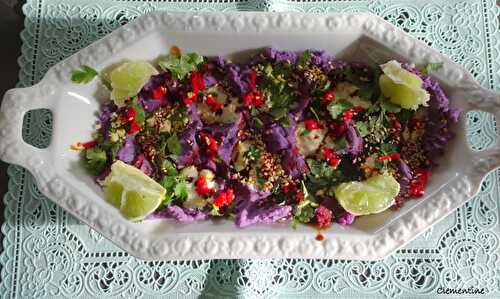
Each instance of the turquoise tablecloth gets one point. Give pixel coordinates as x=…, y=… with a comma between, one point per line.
x=50, y=254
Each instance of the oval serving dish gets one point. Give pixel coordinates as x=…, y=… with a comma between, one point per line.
x=350, y=36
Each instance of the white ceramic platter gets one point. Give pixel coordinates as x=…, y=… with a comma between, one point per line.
x=348, y=35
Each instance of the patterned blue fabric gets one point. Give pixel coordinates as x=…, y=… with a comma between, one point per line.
x=49, y=254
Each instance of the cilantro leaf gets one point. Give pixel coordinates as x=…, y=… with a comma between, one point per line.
x=140, y=114
x=388, y=148
x=431, y=67
x=173, y=145
x=362, y=128
x=278, y=112
x=305, y=132
x=302, y=215
x=404, y=115
x=253, y=152
x=337, y=108
x=106, y=83
x=176, y=188
x=304, y=59
x=390, y=107
x=180, y=191
x=169, y=167
x=84, y=74
x=180, y=66
x=94, y=160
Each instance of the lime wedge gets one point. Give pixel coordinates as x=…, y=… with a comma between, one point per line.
x=133, y=192
x=128, y=78
x=372, y=196
x=402, y=87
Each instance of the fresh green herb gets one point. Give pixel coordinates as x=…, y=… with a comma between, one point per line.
x=140, y=114
x=321, y=175
x=337, y=108
x=173, y=145
x=305, y=132
x=169, y=167
x=253, y=152
x=381, y=165
x=180, y=66
x=388, y=148
x=404, y=116
x=302, y=213
x=340, y=143
x=106, y=83
x=176, y=188
x=214, y=211
x=314, y=112
x=431, y=67
x=304, y=59
x=278, y=112
x=94, y=160
x=362, y=128
x=254, y=112
x=84, y=74
x=389, y=107
x=285, y=122
x=258, y=123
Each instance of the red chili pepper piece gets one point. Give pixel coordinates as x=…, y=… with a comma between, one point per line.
x=128, y=115
x=331, y=157
x=252, y=79
x=212, y=102
x=224, y=198
x=159, y=92
x=328, y=97
x=134, y=127
x=418, y=183
x=197, y=82
x=89, y=144
x=257, y=98
x=176, y=51
x=416, y=123
x=189, y=98
x=211, y=144
x=299, y=196
x=389, y=157
x=396, y=124
x=312, y=124
x=201, y=187
x=253, y=98
x=351, y=112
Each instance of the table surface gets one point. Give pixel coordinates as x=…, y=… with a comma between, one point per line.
x=11, y=24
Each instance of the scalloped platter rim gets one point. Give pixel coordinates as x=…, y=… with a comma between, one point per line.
x=349, y=35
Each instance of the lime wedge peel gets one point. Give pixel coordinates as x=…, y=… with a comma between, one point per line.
x=371, y=196
x=402, y=87
x=131, y=191
x=128, y=78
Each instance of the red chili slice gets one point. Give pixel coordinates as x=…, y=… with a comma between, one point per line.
x=224, y=198
x=197, y=82
x=212, y=102
x=128, y=115
x=211, y=144
x=189, y=98
x=331, y=157
x=312, y=124
x=389, y=157
x=89, y=144
x=201, y=187
x=328, y=97
x=134, y=127
x=159, y=92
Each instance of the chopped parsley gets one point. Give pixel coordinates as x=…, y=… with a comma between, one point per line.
x=180, y=66
x=84, y=74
